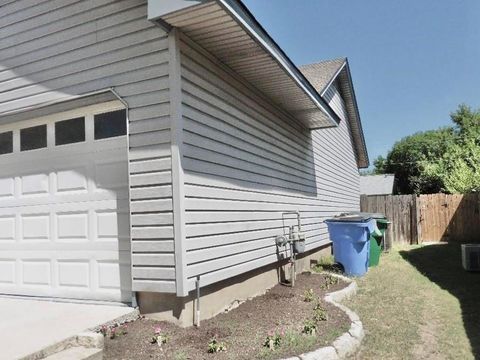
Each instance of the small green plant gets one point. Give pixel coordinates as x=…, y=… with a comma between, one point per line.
x=327, y=263
x=214, y=346
x=103, y=330
x=309, y=295
x=323, y=263
x=319, y=313
x=310, y=327
x=159, y=337
x=329, y=281
x=113, y=331
x=274, y=339
x=124, y=329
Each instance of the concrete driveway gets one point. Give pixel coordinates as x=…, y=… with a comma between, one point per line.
x=28, y=326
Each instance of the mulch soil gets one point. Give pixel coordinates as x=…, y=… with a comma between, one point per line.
x=243, y=330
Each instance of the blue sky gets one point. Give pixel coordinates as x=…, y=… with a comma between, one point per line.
x=413, y=61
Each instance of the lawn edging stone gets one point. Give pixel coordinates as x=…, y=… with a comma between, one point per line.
x=349, y=342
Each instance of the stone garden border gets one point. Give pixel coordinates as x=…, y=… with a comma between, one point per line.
x=349, y=342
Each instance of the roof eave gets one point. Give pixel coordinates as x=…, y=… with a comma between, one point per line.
x=363, y=159
x=158, y=9
x=237, y=9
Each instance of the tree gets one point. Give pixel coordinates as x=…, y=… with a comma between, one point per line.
x=379, y=165
x=442, y=160
x=458, y=168
x=409, y=156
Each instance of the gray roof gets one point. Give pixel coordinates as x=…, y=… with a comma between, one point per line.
x=320, y=74
x=324, y=73
x=377, y=184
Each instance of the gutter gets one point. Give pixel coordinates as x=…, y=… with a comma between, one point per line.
x=246, y=19
x=240, y=13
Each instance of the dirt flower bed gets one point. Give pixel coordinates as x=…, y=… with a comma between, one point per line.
x=282, y=323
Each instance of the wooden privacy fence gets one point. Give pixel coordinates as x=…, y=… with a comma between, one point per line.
x=428, y=218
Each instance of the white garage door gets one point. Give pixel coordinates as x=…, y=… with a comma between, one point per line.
x=64, y=215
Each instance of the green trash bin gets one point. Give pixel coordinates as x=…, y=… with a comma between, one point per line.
x=375, y=247
x=376, y=237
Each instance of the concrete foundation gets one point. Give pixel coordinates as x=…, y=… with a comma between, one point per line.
x=224, y=295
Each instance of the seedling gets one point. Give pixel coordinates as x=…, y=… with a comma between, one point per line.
x=214, y=346
x=274, y=339
x=329, y=281
x=159, y=337
x=310, y=327
x=319, y=313
x=308, y=296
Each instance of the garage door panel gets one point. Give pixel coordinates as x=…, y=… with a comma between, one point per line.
x=64, y=218
x=7, y=228
x=48, y=179
x=73, y=273
x=35, y=184
x=35, y=227
x=72, y=180
x=7, y=188
x=57, y=154
x=109, y=275
x=7, y=272
x=102, y=278
x=110, y=174
x=72, y=226
x=35, y=272
x=120, y=194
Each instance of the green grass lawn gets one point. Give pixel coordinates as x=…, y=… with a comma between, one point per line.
x=419, y=304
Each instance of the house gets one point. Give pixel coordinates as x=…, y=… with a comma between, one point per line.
x=149, y=150
x=377, y=184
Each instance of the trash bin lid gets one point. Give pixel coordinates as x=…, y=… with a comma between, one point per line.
x=350, y=218
x=375, y=216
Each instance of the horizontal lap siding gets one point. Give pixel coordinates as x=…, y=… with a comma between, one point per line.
x=334, y=99
x=245, y=163
x=53, y=50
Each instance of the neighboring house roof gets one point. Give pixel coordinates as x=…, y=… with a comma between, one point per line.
x=227, y=29
x=377, y=184
x=321, y=75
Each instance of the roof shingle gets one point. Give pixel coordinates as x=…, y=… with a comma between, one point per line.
x=321, y=73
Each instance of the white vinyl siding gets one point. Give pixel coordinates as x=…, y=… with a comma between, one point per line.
x=334, y=99
x=245, y=163
x=55, y=50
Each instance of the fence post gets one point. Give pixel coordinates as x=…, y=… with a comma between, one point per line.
x=418, y=218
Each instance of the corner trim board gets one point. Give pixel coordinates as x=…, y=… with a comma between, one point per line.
x=178, y=183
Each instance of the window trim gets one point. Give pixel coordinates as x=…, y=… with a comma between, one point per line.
x=87, y=112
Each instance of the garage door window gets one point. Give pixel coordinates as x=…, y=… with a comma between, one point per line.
x=70, y=131
x=110, y=124
x=33, y=138
x=6, y=142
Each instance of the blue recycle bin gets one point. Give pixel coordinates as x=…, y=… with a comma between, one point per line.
x=351, y=242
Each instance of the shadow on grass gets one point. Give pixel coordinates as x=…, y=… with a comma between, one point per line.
x=442, y=264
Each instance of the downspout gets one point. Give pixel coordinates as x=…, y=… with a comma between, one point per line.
x=197, y=304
